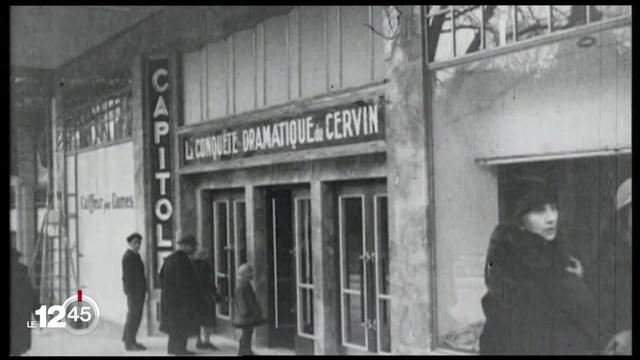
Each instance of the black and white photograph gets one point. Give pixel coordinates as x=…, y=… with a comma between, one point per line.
x=320, y=180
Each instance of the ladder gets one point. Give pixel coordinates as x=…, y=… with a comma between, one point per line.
x=52, y=267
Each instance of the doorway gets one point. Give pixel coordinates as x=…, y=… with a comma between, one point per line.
x=362, y=223
x=290, y=262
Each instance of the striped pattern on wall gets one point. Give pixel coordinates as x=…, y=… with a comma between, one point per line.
x=310, y=51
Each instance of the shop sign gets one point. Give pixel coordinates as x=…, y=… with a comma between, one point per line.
x=160, y=127
x=356, y=122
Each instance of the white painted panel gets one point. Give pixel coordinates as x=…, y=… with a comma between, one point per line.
x=244, y=70
x=277, y=60
x=313, y=52
x=192, y=75
x=217, y=91
x=356, y=45
x=260, y=64
x=333, y=47
x=293, y=25
x=231, y=104
x=103, y=231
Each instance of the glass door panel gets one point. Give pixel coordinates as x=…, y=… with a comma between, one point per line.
x=302, y=210
x=221, y=243
x=352, y=269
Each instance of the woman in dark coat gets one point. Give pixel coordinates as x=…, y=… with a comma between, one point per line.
x=537, y=302
x=206, y=313
x=24, y=302
x=178, y=297
x=246, y=311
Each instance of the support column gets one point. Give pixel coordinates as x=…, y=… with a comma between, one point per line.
x=406, y=132
x=249, y=195
x=326, y=307
x=141, y=196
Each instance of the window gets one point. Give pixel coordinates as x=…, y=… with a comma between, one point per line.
x=305, y=266
x=99, y=123
x=454, y=31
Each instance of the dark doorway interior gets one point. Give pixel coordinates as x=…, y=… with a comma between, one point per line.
x=281, y=261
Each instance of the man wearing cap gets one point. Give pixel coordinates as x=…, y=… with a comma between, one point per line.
x=179, y=296
x=135, y=287
x=610, y=278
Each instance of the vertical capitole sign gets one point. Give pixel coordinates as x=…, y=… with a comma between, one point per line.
x=160, y=129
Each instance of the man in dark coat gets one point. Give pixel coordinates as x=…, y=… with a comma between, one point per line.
x=610, y=277
x=207, y=300
x=24, y=301
x=135, y=287
x=246, y=311
x=179, y=296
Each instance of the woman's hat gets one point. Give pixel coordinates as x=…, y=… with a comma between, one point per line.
x=623, y=197
x=532, y=193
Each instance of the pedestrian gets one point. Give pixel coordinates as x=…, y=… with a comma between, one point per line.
x=179, y=296
x=537, y=302
x=207, y=299
x=246, y=311
x=24, y=302
x=610, y=278
x=135, y=288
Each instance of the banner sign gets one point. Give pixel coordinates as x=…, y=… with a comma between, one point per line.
x=356, y=122
x=160, y=159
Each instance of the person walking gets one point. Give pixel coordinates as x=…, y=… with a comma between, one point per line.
x=135, y=288
x=207, y=299
x=611, y=280
x=24, y=302
x=537, y=302
x=246, y=311
x=179, y=296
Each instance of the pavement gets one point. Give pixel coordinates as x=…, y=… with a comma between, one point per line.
x=105, y=340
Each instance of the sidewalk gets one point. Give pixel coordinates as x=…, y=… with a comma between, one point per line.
x=106, y=341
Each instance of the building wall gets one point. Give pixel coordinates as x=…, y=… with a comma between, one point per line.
x=555, y=99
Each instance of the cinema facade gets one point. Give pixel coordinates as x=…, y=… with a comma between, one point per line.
x=354, y=156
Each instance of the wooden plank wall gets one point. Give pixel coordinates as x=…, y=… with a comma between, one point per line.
x=310, y=51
